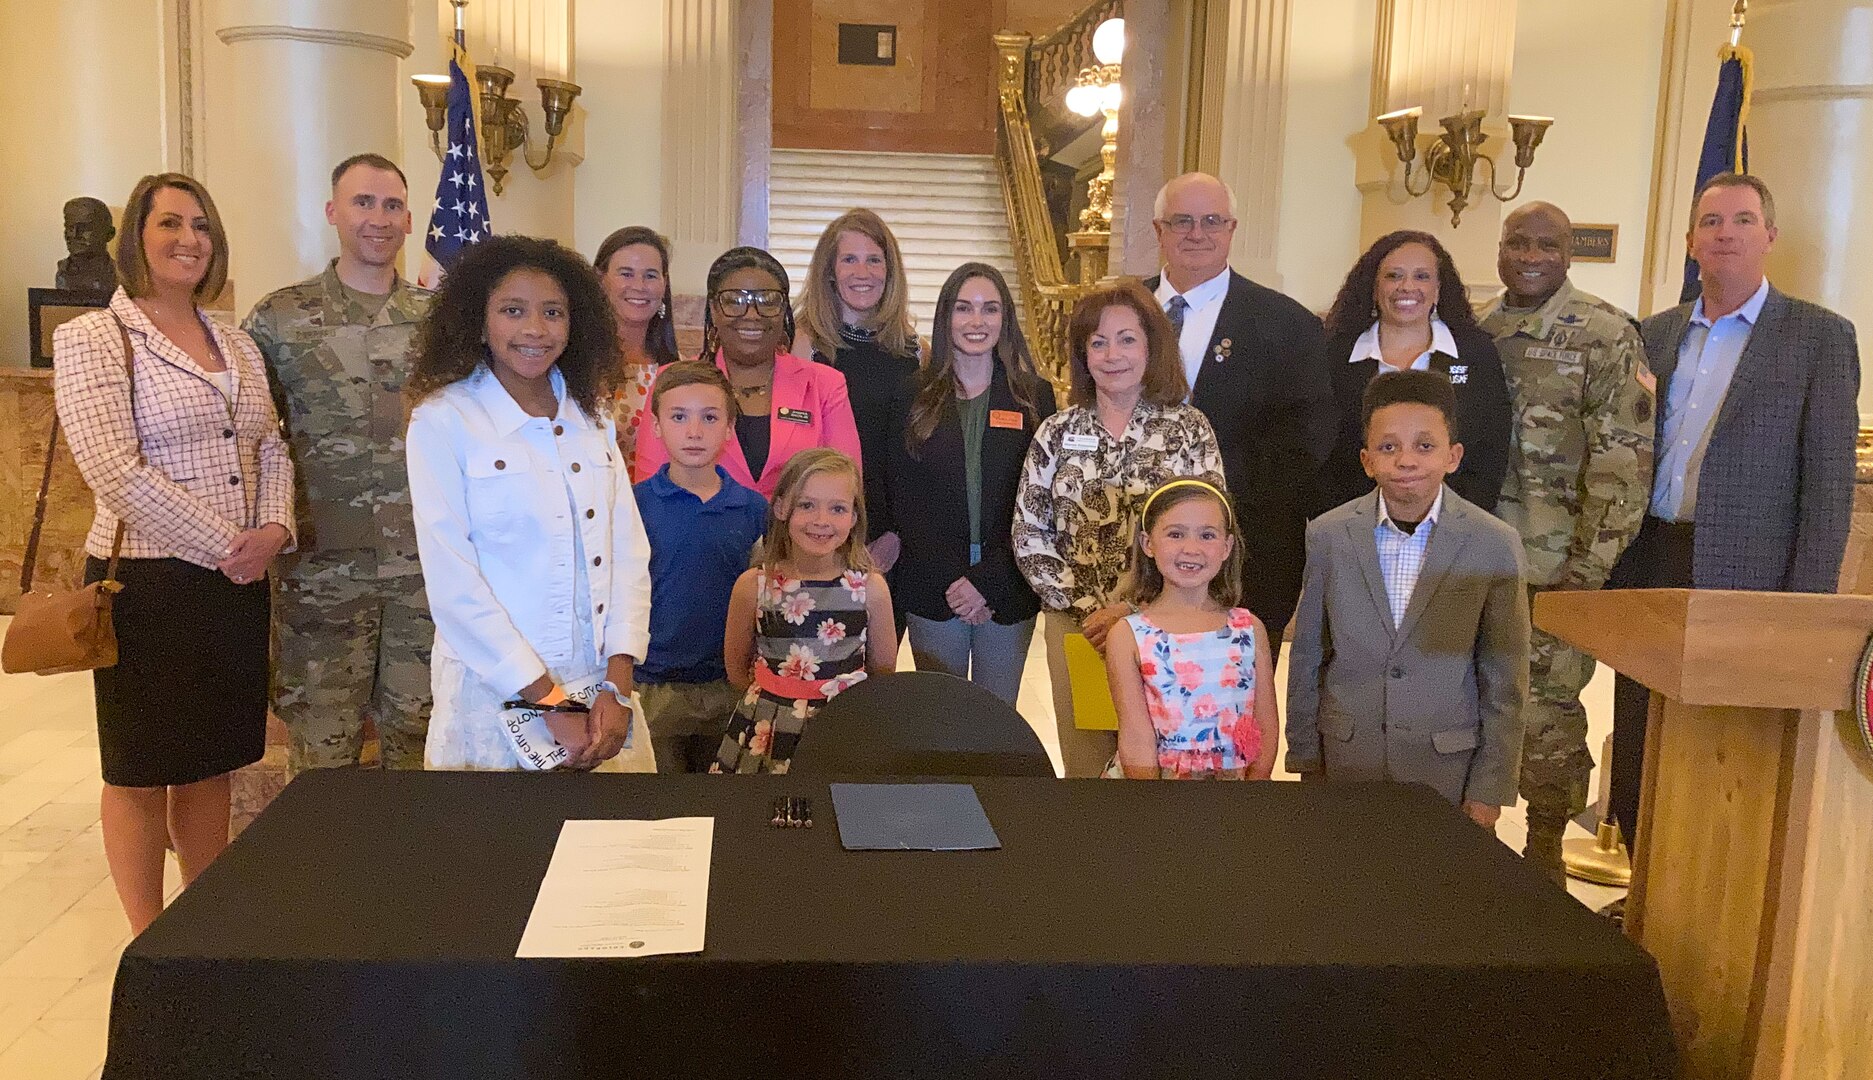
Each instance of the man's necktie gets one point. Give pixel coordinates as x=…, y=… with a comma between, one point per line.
x=1175, y=310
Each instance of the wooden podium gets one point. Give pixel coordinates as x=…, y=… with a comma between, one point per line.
x=1753, y=875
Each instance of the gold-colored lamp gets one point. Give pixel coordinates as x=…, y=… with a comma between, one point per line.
x=1452, y=159
x=1402, y=127
x=556, y=102
x=504, y=125
x=1527, y=132
x=1601, y=860
x=433, y=92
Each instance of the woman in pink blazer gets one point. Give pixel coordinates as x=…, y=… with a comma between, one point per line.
x=786, y=404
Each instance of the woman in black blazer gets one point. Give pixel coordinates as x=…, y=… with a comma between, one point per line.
x=1404, y=306
x=965, y=423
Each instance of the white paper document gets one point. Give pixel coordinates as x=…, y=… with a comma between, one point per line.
x=623, y=888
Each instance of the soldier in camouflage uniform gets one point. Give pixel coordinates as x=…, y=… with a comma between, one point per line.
x=351, y=619
x=1579, y=478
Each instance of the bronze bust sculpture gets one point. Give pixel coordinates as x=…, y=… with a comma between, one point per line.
x=88, y=228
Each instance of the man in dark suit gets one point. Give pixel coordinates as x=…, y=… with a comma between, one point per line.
x=1754, y=472
x=1247, y=351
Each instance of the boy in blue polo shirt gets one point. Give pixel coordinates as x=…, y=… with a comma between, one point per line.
x=702, y=526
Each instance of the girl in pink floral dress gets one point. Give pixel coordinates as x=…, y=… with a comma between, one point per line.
x=798, y=624
x=1194, y=679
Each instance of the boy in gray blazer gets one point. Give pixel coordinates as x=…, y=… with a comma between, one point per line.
x=1410, y=654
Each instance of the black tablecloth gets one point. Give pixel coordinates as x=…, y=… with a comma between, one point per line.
x=365, y=925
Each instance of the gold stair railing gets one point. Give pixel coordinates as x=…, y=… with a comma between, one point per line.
x=1036, y=75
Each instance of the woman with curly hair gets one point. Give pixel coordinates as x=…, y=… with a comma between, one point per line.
x=1402, y=307
x=786, y=404
x=533, y=553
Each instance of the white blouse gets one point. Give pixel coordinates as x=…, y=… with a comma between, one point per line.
x=497, y=536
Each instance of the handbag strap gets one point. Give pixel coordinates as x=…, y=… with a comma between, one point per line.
x=31, y=556
x=39, y=512
x=130, y=376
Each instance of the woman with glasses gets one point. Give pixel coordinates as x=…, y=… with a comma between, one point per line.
x=785, y=404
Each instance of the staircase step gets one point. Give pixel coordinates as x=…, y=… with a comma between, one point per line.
x=836, y=171
x=918, y=250
x=945, y=209
x=870, y=160
x=839, y=200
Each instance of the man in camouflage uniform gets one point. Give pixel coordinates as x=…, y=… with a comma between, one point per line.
x=1579, y=479
x=351, y=619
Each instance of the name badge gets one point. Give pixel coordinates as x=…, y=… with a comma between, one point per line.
x=1079, y=442
x=795, y=416
x=1566, y=356
x=1007, y=418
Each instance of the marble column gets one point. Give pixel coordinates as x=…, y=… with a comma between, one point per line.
x=701, y=158
x=1145, y=153
x=1443, y=56
x=1811, y=139
x=294, y=87
x=1255, y=101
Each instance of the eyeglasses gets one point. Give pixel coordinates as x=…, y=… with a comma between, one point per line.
x=1182, y=224
x=734, y=303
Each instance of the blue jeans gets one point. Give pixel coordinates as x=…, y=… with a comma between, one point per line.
x=950, y=645
x=993, y=652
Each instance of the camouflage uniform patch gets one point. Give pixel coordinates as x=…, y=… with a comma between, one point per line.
x=351, y=619
x=1579, y=479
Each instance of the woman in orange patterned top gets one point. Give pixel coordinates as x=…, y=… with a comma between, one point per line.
x=634, y=264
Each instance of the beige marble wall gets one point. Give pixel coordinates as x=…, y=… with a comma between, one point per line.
x=1443, y=56
x=266, y=64
x=25, y=422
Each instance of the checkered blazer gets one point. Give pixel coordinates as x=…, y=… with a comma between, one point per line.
x=1775, y=490
x=208, y=472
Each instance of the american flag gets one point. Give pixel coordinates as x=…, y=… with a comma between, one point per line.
x=460, y=216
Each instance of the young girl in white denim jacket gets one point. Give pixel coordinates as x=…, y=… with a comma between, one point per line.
x=533, y=554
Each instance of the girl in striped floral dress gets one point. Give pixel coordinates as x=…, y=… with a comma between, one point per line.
x=798, y=624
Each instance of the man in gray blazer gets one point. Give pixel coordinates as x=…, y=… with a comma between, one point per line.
x=1753, y=477
x=1410, y=653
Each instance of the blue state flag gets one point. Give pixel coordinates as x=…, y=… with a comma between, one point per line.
x=1726, y=137
x=460, y=216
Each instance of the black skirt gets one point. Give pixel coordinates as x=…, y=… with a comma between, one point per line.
x=188, y=697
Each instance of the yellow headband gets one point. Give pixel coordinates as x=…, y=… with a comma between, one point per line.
x=1229, y=512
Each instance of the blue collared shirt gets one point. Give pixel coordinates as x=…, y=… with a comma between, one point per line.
x=1707, y=362
x=697, y=550
x=1401, y=554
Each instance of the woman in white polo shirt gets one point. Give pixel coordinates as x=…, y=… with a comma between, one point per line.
x=533, y=554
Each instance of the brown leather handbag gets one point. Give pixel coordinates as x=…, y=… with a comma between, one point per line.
x=65, y=629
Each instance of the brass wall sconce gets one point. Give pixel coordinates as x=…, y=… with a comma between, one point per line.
x=433, y=92
x=1452, y=159
x=504, y=124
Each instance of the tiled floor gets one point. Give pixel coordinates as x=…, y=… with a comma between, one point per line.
x=61, y=929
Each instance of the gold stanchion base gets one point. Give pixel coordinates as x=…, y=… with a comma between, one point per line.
x=1601, y=860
